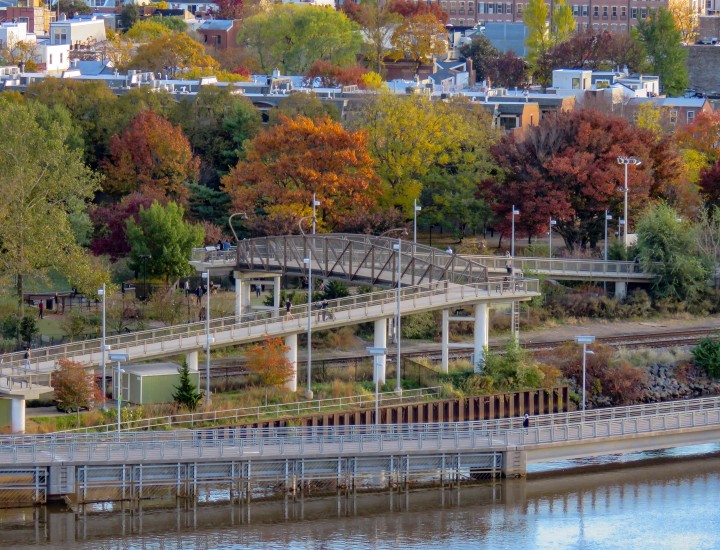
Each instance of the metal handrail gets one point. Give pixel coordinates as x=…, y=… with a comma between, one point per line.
x=236, y=443
x=495, y=425
x=296, y=408
x=350, y=308
x=562, y=265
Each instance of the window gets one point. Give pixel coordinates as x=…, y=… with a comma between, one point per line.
x=643, y=13
x=673, y=117
x=508, y=8
x=585, y=10
x=602, y=84
x=218, y=39
x=623, y=28
x=690, y=116
x=61, y=58
x=481, y=7
x=596, y=27
x=605, y=12
x=59, y=36
x=491, y=8
x=205, y=35
x=596, y=11
x=614, y=11
x=519, y=10
x=575, y=83
x=499, y=8
x=471, y=7
x=633, y=13
x=605, y=26
x=613, y=27
x=50, y=59
x=576, y=11
x=623, y=12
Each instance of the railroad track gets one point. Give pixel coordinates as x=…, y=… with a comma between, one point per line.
x=232, y=367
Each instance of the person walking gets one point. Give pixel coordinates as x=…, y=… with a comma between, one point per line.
x=187, y=287
x=26, y=358
x=288, y=308
x=508, y=262
x=41, y=308
x=526, y=421
x=324, y=309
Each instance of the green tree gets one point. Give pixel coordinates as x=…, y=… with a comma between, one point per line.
x=307, y=105
x=186, y=393
x=537, y=41
x=42, y=182
x=129, y=15
x=563, y=22
x=378, y=22
x=668, y=250
x=482, y=52
x=72, y=7
x=163, y=235
x=292, y=38
x=663, y=43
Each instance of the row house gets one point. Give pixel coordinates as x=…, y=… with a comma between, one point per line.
x=599, y=15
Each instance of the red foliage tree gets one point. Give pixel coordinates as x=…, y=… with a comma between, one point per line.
x=703, y=135
x=409, y=8
x=566, y=168
x=332, y=76
x=507, y=70
x=151, y=152
x=710, y=185
x=228, y=9
x=75, y=387
x=286, y=163
x=110, y=222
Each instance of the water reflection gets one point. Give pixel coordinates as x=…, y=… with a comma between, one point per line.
x=663, y=504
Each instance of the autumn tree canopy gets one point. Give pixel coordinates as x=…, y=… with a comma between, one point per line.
x=286, y=163
x=151, y=152
x=566, y=168
x=418, y=38
x=172, y=53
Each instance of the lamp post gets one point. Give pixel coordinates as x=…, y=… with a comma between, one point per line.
x=584, y=340
x=416, y=208
x=512, y=238
x=608, y=217
x=377, y=355
x=309, y=392
x=398, y=248
x=208, y=339
x=120, y=357
x=308, y=262
x=625, y=161
x=145, y=258
x=315, y=203
x=552, y=222
x=103, y=349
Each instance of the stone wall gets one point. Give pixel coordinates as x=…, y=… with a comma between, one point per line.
x=704, y=69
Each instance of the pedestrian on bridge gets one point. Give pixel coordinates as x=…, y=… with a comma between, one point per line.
x=508, y=262
x=526, y=421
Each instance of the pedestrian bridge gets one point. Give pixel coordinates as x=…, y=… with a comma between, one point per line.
x=429, y=280
x=71, y=463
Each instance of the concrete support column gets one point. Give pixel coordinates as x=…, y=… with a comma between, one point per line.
x=291, y=355
x=245, y=297
x=445, y=340
x=191, y=358
x=17, y=415
x=481, y=338
x=514, y=463
x=620, y=290
x=276, y=294
x=380, y=342
x=238, y=297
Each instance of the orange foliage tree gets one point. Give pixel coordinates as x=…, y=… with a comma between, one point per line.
x=285, y=164
x=150, y=152
x=75, y=387
x=333, y=75
x=267, y=360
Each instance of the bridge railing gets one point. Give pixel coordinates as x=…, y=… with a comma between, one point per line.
x=263, y=412
x=239, y=443
x=350, y=308
x=313, y=432
x=562, y=265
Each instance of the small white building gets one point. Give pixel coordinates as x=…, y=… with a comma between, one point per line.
x=576, y=80
x=13, y=32
x=77, y=32
x=55, y=57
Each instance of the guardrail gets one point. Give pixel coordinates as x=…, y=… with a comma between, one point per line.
x=562, y=265
x=264, y=412
x=351, y=308
x=237, y=444
x=312, y=432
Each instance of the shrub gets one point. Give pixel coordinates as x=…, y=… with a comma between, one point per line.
x=706, y=355
x=421, y=326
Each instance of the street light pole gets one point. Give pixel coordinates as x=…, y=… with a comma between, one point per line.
x=584, y=340
x=315, y=203
x=512, y=241
x=308, y=263
x=608, y=217
x=625, y=161
x=416, y=208
x=119, y=357
x=398, y=330
x=208, y=340
x=552, y=222
x=101, y=292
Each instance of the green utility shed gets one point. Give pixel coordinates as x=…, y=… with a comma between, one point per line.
x=150, y=383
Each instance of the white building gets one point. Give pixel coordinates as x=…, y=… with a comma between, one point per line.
x=75, y=32
x=12, y=33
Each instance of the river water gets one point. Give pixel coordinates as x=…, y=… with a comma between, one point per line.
x=668, y=500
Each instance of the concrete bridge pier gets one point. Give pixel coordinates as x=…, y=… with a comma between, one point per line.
x=380, y=342
x=291, y=355
x=245, y=280
x=191, y=358
x=481, y=337
x=242, y=295
x=620, y=290
x=514, y=463
x=17, y=415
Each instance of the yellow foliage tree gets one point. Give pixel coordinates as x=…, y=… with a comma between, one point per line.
x=173, y=53
x=419, y=38
x=686, y=19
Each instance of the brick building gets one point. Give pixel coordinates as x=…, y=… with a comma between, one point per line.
x=610, y=15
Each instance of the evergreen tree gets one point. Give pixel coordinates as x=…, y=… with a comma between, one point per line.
x=186, y=393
